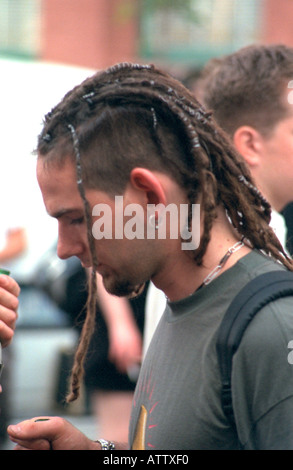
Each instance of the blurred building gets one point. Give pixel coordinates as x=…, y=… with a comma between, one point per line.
x=98, y=33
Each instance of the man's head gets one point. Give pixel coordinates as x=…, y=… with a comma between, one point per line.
x=248, y=94
x=133, y=116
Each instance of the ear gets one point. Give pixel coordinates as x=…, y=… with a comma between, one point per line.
x=150, y=183
x=248, y=142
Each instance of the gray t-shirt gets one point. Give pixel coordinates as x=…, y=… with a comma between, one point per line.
x=177, y=401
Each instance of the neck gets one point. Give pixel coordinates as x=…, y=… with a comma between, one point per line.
x=270, y=192
x=181, y=276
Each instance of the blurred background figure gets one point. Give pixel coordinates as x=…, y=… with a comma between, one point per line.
x=248, y=94
x=288, y=216
x=13, y=242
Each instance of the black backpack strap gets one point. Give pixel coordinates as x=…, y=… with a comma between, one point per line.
x=256, y=294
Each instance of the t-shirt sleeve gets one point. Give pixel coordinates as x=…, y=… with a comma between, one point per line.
x=274, y=430
x=262, y=379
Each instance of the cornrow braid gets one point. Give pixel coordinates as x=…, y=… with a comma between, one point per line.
x=136, y=115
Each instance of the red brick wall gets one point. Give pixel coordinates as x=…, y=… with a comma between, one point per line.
x=278, y=21
x=90, y=33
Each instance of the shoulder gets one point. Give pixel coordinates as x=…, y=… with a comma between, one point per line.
x=267, y=339
x=262, y=374
x=272, y=325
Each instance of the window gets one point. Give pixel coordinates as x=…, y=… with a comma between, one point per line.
x=199, y=30
x=20, y=27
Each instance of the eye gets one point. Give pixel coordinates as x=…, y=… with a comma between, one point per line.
x=77, y=221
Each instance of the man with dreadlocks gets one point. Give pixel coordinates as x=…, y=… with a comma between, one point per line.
x=135, y=132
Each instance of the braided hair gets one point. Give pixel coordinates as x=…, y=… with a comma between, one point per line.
x=137, y=115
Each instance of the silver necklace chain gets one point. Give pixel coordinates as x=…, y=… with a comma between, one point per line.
x=221, y=264
x=223, y=261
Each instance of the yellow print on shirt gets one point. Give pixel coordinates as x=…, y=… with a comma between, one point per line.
x=139, y=438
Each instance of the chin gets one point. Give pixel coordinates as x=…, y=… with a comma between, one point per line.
x=122, y=288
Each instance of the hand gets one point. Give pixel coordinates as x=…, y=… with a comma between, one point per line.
x=49, y=433
x=9, y=292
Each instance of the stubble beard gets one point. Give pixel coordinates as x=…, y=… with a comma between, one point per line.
x=122, y=287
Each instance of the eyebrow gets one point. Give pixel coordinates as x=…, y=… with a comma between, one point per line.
x=66, y=211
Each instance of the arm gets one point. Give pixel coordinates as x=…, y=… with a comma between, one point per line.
x=52, y=433
x=15, y=244
x=125, y=348
x=263, y=379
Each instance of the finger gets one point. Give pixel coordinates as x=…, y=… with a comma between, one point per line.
x=9, y=284
x=8, y=300
x=49, y=432
x=8, y=316
x=27, y=428
x=7, y=325
x=40, y=444
x=37, y=432
x=6, y=334
x=21, y=435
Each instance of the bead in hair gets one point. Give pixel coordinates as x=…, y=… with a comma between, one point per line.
x=155, y=120
x=127, y=65
x=88, y=98
x=47, y=137
x=253, y=188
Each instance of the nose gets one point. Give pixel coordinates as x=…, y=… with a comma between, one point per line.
x=69, y=244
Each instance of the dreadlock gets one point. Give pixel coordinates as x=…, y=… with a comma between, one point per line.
x=132, y=115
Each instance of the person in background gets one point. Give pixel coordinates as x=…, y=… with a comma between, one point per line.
x=14, y=243
x=287, y=213
x=248, y=92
